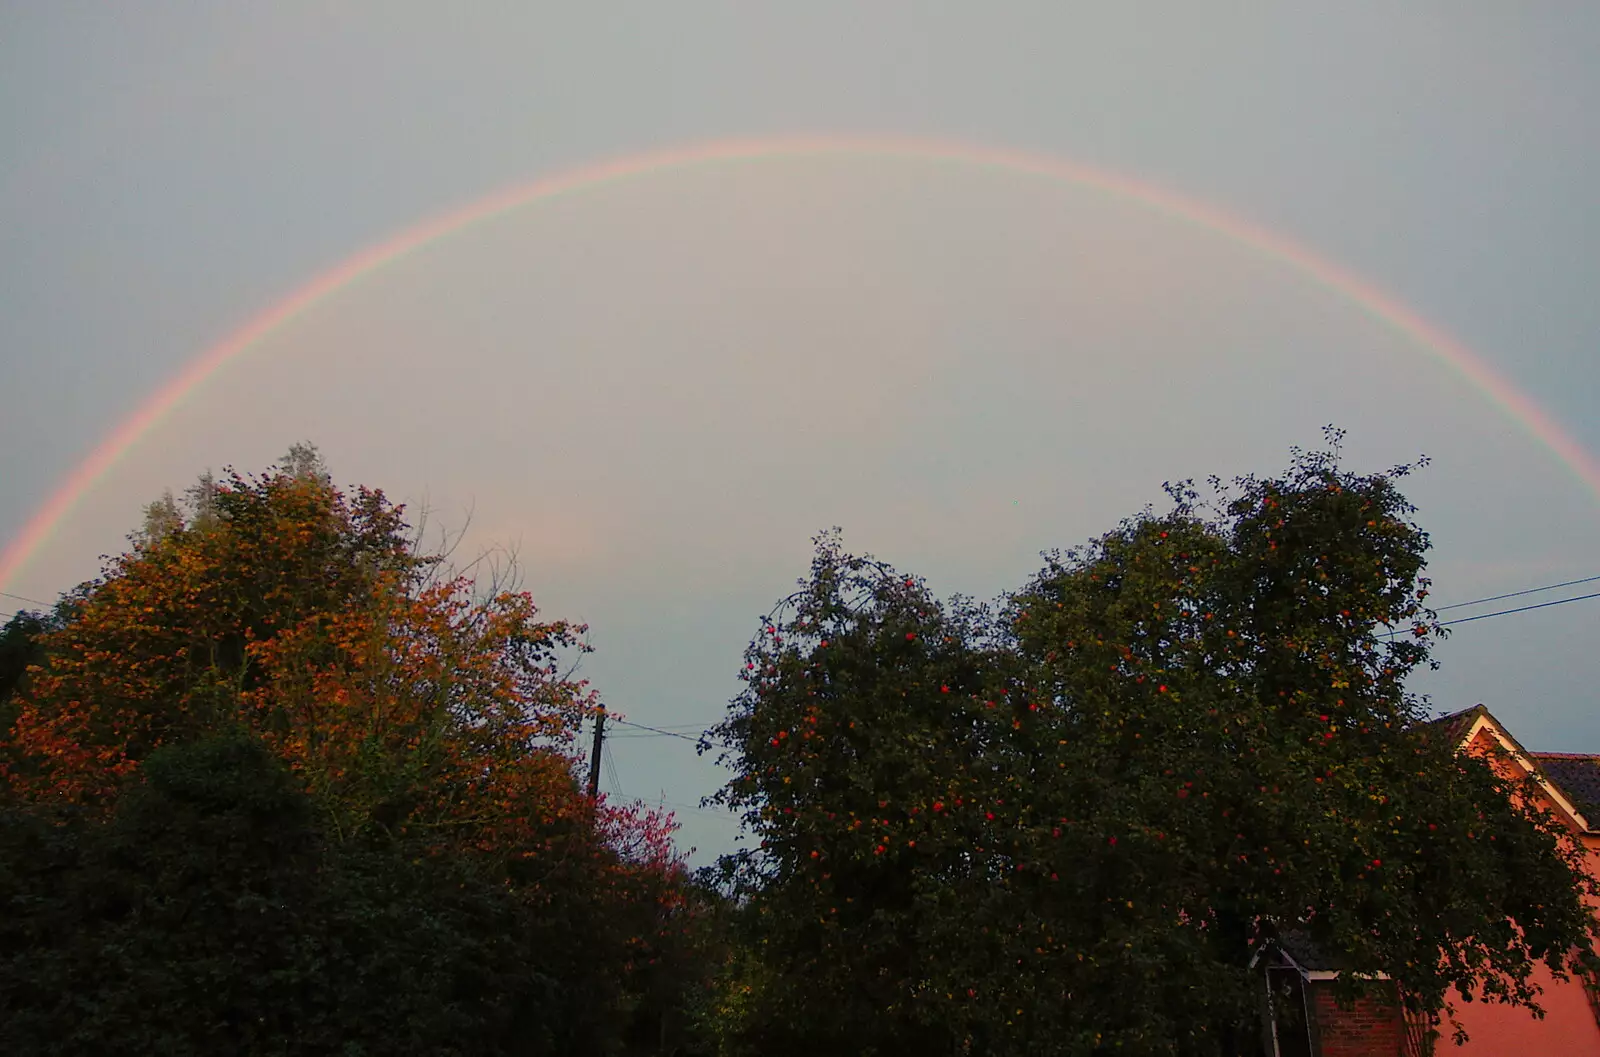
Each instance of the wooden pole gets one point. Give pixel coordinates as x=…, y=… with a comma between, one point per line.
x=594, y=755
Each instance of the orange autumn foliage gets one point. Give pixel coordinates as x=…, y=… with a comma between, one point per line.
x=431, y=720
x=410, y=707
x=156, y=649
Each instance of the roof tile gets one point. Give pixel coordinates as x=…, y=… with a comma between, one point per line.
x=1575, y=774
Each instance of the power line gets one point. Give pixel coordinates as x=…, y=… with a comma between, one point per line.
x=656, y=730
x=1515, y=594
x=1519, y=609
x=638, y=735
x=718, y=815
x=648, y=735
x=643, y=801
x=25, y=598
x=9, y=614
x=676, y=726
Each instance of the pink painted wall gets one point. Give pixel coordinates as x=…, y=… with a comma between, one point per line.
x=1569, y=1028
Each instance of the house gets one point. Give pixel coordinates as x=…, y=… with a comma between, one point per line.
x=1304, y=1021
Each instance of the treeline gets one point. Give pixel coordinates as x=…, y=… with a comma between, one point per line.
x=277, y=783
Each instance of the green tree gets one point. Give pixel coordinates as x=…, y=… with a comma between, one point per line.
x=859, y=740
x=161, y=518
x=20, y=648
x=210, y=914
x=1067, y=829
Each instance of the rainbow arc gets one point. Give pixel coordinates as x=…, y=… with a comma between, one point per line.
x=1428, y=337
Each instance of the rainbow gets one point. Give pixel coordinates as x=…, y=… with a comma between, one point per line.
x=1428, y=336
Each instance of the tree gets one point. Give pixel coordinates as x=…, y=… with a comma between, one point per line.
x=851, y=746
x=161, y=518
x=305, y=615
x=425, y=721
x=21, y=648
x=304, y=462
x=210, y=914
x=163, y=645
x=1067, y=829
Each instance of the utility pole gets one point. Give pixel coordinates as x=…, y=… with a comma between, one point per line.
x=594, y=755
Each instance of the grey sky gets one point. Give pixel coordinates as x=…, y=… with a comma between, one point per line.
x=662, y=388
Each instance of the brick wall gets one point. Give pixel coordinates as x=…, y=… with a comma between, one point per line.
x=1368, y=1029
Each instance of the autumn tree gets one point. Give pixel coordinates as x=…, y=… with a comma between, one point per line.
x=21, y=650
x=305, y=615
x=1068, y=828
x=424, y=716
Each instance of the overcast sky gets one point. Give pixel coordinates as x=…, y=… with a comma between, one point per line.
x=659, y=388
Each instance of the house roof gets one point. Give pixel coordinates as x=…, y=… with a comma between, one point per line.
x=1305, y=953
x=1577, y=774
x=1457, y=725
x=1573, y=779
x=1311, y=960
x=1573, y=783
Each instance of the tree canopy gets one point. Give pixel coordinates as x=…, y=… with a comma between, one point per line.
x=274, y=723
x=280, y=782
x=210, y=914
x=1064, y=824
